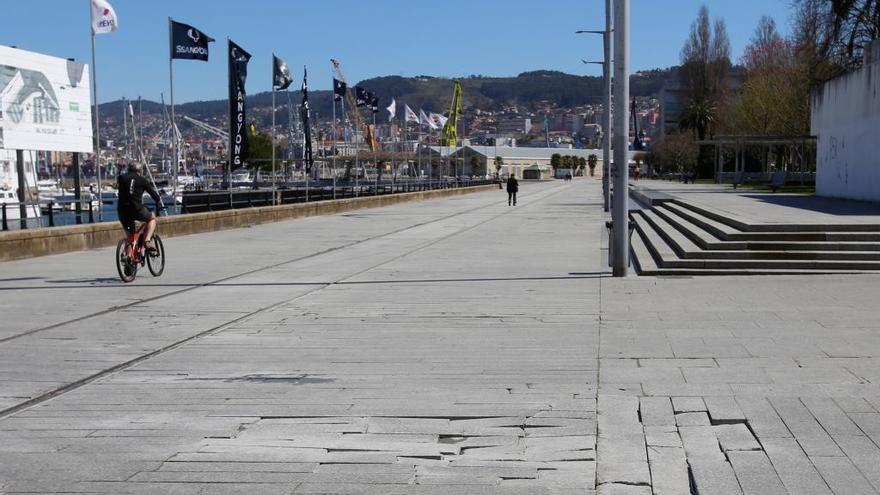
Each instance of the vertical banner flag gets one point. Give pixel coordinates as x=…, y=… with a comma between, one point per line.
x=424, y=120
x=281, y=77
x=103, y=17
x=361, y=96
x=238, y=145
x=439, y=119
x=410, y=115
x=392, y=110
x=306, y=115
x=339, y=88
x=188, y=42
x=374, y=103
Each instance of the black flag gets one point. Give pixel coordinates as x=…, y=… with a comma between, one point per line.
x=339, y=88
x=281, y=77
x=306, y=115
x=238, y=60
x=361, y=96
x=374, y=103
x=188, y=42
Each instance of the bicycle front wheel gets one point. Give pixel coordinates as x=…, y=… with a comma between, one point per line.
x=156, y=260
x=127, y=270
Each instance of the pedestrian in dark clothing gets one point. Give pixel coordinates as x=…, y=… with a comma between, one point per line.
x=512, y=188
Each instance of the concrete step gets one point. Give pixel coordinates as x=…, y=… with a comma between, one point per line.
x=664, y=248
x=685, y=248
x=726, y=232
x=786, y=227
x=646, y=265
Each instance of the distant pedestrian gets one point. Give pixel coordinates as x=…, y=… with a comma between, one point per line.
x=512, y=188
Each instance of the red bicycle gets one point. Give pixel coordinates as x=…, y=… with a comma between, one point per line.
x=131, y=254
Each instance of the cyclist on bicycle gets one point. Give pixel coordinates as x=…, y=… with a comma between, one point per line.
x=131, y=187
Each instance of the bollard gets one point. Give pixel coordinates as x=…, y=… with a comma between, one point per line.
x=51, y=214
x=5, y=225
x=91, y=213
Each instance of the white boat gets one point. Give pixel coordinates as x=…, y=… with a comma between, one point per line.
x=167, y=199
x=109, y=196
x=67, y=201
x=9, y=202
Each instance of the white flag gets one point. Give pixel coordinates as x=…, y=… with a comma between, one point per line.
x=410, y=115
x=439, y=119
x=424, y=120
x=103, y=17
x=392, y=110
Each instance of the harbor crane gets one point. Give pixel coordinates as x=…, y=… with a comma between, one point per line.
x=450, y=128
x=369, y=132
x=208, y=128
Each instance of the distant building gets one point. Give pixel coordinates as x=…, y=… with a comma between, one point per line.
x=513, y=127
x=516, y=160
x=674, y=99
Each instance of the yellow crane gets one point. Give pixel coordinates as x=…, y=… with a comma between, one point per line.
x=450, y=128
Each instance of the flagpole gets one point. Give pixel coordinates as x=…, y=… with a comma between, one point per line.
x=229, y=142
x=174, y=144
x=333, y=143
x=344, y=135
x=375, y=152
x=97, y=128
x=273, y=129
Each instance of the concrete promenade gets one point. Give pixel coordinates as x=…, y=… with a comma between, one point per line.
x=454, y=346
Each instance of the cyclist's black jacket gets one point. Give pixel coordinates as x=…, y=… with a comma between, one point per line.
x=131, y=187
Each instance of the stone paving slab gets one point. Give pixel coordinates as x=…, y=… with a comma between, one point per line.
x=450, y=346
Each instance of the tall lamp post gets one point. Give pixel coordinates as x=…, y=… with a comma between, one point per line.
x=606, y=117
x=620, y=210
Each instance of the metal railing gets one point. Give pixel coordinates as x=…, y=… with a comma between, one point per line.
x=11, y=212
x=197, y=202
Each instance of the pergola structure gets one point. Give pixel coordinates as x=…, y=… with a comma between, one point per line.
x=798, y=167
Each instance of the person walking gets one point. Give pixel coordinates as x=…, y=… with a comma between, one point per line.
x=512, y=188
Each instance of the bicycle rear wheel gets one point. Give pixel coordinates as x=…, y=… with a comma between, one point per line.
x=156, y=260
x=127, y=270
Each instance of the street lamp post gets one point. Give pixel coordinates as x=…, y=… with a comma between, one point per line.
x=606, y=117
x=620, y=210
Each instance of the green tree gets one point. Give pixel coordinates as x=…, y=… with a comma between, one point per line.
x=592, y=161
x=582, y=164
x=698, y=116
x=259, y=150
x=475, y=165
x=555, y=161
x=499, y=162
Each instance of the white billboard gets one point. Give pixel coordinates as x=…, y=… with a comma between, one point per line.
x=44, y=103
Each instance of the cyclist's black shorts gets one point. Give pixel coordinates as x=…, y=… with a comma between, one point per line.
x=128, y=216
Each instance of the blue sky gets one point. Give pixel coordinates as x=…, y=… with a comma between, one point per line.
x=371, y=38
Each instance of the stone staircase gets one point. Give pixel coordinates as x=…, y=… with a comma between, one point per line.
x=675, y=237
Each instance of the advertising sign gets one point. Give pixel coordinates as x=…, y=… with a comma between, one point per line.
x=44, y=103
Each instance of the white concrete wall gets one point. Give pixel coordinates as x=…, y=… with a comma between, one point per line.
x=846, y=119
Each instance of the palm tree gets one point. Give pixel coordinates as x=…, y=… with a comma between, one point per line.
x=475, y=165
x=555, y=161
x=499, y=162
x=592, y=160
x=699, y=117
